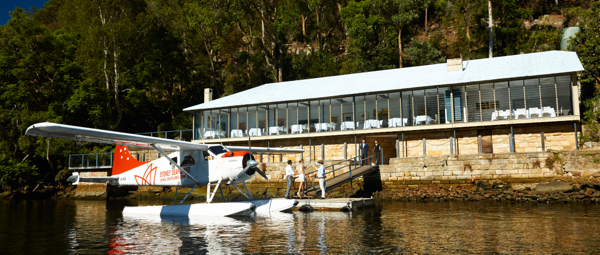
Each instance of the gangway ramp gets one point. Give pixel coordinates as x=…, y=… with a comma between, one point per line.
x=356, y=170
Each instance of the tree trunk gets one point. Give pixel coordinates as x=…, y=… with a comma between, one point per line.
x=116, y=85
x=400, y=46
x=426, y=7
x=303, y=25
x=491, y=22
x=105, y=68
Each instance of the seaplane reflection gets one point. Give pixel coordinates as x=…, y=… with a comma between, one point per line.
x=167, y=234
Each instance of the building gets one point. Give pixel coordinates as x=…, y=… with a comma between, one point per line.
x=520, y=103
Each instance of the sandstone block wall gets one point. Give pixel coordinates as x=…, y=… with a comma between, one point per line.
x=413, y=172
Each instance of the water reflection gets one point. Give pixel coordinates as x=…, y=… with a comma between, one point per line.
x=390, y=227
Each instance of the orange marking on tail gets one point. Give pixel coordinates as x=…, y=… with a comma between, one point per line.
x=123, y=160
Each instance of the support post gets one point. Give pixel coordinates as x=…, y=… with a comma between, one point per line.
x=479, y=149
x=397, y=148
x=511, y=141
x=451, y=146
x=455, y=142
x=309, y=149
x=576, y=142
x=424, y=147
x=323, y=151
x=543, y=138
x=345, y=151
x=403, y=154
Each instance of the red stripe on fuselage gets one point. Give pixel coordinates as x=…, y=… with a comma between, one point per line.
x=124, y=161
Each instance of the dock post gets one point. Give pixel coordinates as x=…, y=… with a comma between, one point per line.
x=345, y=151
x=543, y=141
x=397, y=148
x=576, y=142
x=424, y=147
x=323, y=151
x=511, y=141
x=403, y=155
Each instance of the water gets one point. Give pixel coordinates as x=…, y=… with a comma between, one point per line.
x=77, y=226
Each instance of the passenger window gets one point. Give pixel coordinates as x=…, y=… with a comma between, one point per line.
x=188, y=161
x=174, y=160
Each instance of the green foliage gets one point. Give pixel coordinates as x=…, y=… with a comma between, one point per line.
x=587, y=45
x=419, y=54
x=15, y=174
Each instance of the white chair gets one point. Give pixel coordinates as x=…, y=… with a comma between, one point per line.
x=548, y=111
x=535, y=112
x=237, y=133
x=521, y=113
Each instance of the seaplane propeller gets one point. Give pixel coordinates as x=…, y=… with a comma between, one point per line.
x=250, y=166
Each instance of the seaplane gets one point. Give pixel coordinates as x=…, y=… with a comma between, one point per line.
x=189, y=165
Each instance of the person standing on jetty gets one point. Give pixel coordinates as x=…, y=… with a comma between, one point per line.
x=301, y=177
x=321, y=176
x=377, y=155
x=289, y=176
x=364, y=150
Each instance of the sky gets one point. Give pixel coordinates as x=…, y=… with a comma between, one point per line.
x=9, y=5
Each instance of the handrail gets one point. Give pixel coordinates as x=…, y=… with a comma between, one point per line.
x=89, y=156
x=349, y=166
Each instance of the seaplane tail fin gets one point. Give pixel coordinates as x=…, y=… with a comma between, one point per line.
x=82, y=134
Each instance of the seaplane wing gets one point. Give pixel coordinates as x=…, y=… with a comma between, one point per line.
x=82, y=134
x=265, y=150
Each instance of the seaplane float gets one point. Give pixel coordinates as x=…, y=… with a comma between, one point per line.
x=189, y=165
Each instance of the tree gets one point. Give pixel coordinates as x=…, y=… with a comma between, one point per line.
x=587, y=45
x=408, y=11
x=419, y=54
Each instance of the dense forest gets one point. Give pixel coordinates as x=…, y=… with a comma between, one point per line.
x=133, y=65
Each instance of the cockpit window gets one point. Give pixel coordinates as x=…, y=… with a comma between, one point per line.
x=216, y=150
x=188, y=161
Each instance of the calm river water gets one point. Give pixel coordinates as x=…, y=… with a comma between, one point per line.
x=67, y=226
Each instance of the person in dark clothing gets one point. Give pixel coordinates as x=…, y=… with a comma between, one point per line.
x=377, y=155
x=364, y=149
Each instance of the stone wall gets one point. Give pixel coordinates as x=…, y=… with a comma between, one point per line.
x=413, y=172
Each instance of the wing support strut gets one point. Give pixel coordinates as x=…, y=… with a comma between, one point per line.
x=211, y=195
x=175, y=164
x=249, y=195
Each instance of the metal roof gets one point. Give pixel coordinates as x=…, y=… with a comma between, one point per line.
x=479, y=70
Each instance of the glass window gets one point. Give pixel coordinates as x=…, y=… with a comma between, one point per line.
x=233, y=123
x=394, y=117
x=383, y=114
x=282, y=118
x=336, y=114
x=431, y=106
x=188, y=161
x=348, y=121
x=243, y=121
x=516, y=95
x=473, y=103
x=371, y=112
x=420, y=114
x=211, y=119
x=502, y=102
x=460, y=109
x=198, y=125
x=216, y=150
x=223, y=127
x=407, y=108
x=359, y=106
x=488, y=103
x=563, y=89
x=548, y=93
x=292, y=121
x=532, y=96
x=314, y=116
x=252, y=121
x=445, y=109
x=325, y=123
x=302, y=117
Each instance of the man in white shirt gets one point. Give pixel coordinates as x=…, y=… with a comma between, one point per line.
x=321, y=176
x=289, y=176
